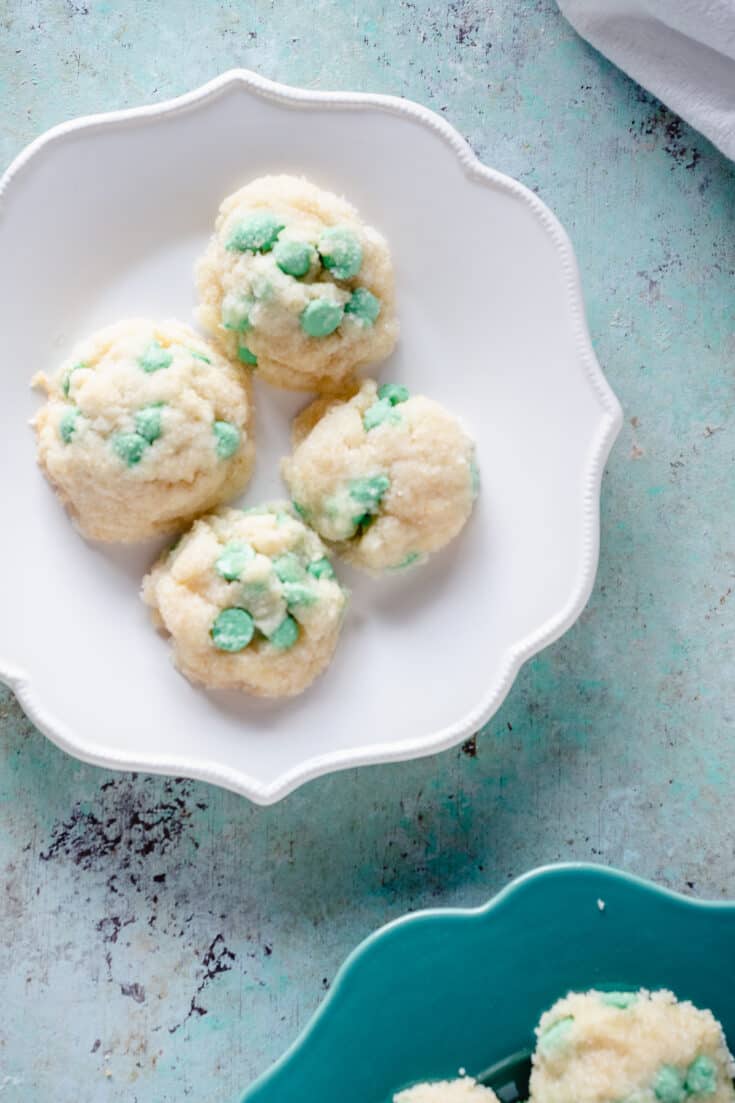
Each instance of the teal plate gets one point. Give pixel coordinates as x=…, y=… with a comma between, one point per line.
x=448, y=989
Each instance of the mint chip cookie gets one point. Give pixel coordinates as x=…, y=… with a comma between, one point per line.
x=385, y=477
x=296, y=286
x=464, y=1090
x=250, y=601
x=630, y=1047
x=145, y=426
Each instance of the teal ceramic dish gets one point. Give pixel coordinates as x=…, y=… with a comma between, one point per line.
x=443, y=990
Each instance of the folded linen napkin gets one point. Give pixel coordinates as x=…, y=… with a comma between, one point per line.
x=681, y=50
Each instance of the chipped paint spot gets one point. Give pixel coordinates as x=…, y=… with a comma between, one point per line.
x=667, y=130
x=135, y=991
x=217, y=960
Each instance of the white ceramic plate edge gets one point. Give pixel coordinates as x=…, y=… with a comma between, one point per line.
x=611, y=420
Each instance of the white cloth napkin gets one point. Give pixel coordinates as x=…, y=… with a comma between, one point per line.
x=681, y=50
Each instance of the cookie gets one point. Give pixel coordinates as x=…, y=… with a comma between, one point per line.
x=250, y=600
x=145, y=426
x=630, y=1047
x=384, y=477
x=293, y=283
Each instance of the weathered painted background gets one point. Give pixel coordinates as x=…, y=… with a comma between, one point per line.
x=161, y=940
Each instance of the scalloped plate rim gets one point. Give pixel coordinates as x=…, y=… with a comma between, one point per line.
x=482, y=911
x=610, y=424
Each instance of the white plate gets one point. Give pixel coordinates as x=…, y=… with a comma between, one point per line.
x=103, y=217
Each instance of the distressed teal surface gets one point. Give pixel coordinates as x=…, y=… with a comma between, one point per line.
x=162, y=940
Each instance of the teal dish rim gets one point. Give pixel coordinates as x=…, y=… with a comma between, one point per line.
x=580, y=894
